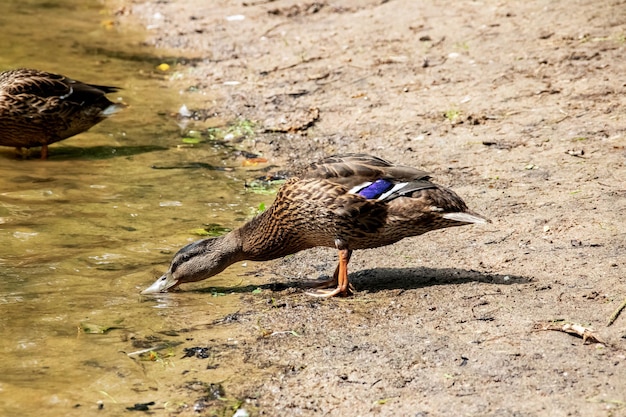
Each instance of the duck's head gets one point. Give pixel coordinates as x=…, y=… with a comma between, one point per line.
x=197, y=261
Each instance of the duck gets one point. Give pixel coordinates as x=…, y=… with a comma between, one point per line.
x=38, y=108
x=347, y=202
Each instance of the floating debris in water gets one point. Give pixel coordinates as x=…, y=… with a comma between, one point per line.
x=250, y=162
x=141, y=406
x=24, y=235
x=170, y=204
x=184, y=111
x=197, y=351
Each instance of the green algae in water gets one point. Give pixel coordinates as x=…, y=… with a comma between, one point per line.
x=211, y=230
x=93, y=328
x=191, y=141
x=264, y=187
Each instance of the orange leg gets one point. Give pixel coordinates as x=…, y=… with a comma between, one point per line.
x=44, y=151
x=340, y=278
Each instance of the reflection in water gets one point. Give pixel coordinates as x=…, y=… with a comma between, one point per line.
x=83, y=232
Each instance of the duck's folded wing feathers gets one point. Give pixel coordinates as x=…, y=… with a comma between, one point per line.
x=37, y=83
x=350, y=170
x=45, y=84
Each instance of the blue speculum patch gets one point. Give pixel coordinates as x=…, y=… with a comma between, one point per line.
x=375, y=189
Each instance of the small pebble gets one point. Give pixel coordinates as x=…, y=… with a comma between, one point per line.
x=235, y=18
x=241, y=413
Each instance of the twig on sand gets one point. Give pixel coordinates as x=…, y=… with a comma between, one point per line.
x=150, y=349
x=616, y=313
x=571, y=328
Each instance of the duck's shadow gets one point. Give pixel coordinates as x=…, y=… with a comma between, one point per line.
x=382, y=279
x=62, y=153
x=101, y=152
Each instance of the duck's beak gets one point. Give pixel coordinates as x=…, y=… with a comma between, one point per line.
x=162, y=284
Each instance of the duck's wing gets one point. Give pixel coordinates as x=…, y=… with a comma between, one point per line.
x=360, y=176
x=43, y=84
x=369, y=176
x=354, y=167
x=34, y=82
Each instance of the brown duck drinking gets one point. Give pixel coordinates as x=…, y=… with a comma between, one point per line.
x=38, y=108
x=346, y=202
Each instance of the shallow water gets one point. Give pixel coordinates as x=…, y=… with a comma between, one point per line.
x=82, y=233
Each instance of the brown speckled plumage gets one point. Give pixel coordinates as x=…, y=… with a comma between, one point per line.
x=323, y=207
x=38, y=108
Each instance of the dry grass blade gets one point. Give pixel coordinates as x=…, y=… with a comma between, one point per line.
x=616, y=313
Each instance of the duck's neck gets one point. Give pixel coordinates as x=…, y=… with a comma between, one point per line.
x=266, y=237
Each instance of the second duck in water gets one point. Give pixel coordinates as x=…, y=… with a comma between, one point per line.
x=38, y=108
x=347, y=202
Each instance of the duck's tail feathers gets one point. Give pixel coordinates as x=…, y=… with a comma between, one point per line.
x=112, y=109
x=466, y=218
